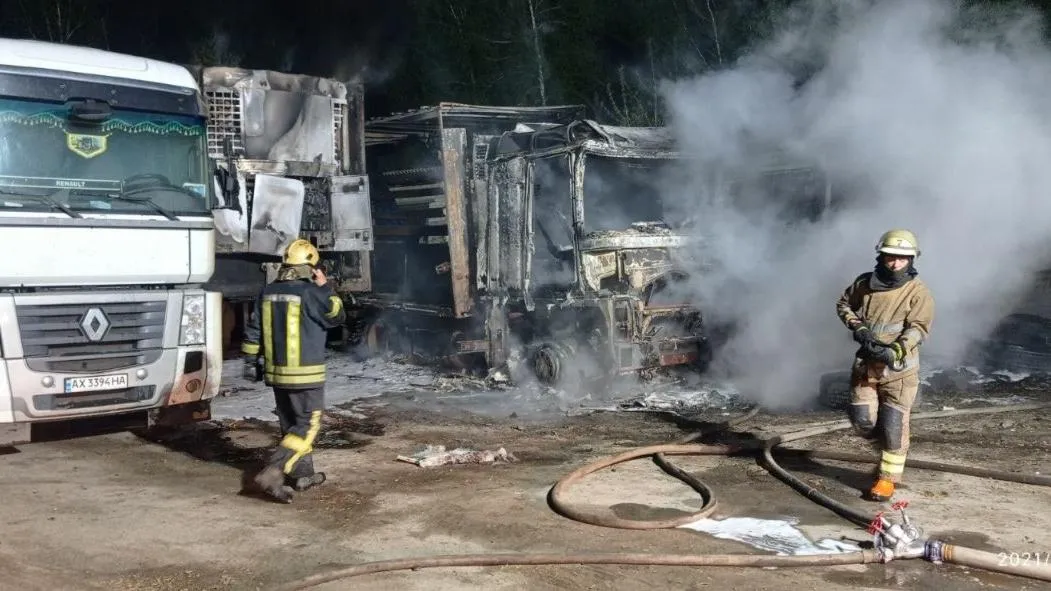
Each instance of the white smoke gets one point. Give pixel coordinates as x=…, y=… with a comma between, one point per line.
x=930, y=117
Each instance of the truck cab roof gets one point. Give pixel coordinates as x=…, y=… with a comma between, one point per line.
x=59, y=57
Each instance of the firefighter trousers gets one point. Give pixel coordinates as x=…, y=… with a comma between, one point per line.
x=299, y=414
x=881, y=411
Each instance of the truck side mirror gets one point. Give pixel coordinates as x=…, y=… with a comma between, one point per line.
x=228, y=188
x=226, y=179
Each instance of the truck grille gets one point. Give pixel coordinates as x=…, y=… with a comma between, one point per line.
x=337, y=135
x=224, y=121
x=62, y=330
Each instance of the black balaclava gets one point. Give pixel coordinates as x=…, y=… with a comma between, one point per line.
x=884, y=279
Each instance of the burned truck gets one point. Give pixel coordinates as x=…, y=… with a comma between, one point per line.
x=291, y=148
x=542, y=241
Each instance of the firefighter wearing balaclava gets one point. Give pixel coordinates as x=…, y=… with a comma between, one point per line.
x=889, y=312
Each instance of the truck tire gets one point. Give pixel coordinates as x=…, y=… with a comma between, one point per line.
x=548, y=363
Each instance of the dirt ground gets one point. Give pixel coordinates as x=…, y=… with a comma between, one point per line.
x=163, y=513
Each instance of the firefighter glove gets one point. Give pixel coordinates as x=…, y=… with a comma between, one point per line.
x=899, y=351
x=889, y=354
x=863, y=335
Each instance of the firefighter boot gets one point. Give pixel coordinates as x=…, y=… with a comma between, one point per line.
x=882, y=491
x=307, y=482
x=271, y=481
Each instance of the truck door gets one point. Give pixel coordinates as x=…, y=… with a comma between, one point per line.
x=351, y=213
x=277, y=213
x=508, y=227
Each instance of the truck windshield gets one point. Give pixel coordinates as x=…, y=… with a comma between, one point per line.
x=619, y=192
x=130, y=162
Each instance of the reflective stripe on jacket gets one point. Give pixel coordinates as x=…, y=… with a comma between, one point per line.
x=289, y=328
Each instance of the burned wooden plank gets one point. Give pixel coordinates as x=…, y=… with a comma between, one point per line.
x=420, y=187
x=454, y=147
x=421, y=202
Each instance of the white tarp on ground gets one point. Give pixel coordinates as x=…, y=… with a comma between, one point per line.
x=780, y=536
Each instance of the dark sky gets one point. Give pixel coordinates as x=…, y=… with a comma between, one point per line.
x=321, y=37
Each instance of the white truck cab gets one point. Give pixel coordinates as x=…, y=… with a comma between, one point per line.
x=107, y=237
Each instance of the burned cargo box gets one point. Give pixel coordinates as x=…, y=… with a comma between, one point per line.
x=429, y=199
x=549, y=235
x=292, y=149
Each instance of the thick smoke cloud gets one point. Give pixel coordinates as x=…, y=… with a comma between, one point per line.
x=925, y=116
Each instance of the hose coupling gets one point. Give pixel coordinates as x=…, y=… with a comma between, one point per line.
x=901, y=540
x=885, y=555
x=933, y=551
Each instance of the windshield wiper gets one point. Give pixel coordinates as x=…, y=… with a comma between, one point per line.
x=43, y=199
x=145, y=201
x=160, y=187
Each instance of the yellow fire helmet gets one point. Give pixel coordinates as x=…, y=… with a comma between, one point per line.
x=301, y=252
x=899, y=242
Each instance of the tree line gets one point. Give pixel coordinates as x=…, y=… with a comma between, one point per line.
x=607, y=54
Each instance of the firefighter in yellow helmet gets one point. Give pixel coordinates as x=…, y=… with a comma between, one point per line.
x=288, y=329
x=889, y=311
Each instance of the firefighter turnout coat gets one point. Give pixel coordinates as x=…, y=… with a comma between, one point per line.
x=903, y=314
x=289, y=328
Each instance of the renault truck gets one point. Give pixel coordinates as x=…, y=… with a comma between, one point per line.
x=107, y=235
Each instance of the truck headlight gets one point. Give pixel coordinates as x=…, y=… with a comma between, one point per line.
x=191, y=329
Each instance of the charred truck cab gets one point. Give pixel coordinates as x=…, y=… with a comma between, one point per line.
x=502, y=231
x=594, y=284
x=107, y=234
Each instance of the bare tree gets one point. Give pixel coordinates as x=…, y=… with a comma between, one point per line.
x=715, y=29
x=632, y=102
x=538, y=52
x=62, y=21
x=703, y=18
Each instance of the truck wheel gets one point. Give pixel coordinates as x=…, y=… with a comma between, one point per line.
x=548, y=363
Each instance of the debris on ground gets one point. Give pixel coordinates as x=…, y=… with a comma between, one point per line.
x=436, y=455
x=338, y=419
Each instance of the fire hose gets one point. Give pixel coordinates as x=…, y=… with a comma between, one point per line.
x=892, y=540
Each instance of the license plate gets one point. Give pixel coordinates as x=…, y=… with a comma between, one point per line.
x=110, y=382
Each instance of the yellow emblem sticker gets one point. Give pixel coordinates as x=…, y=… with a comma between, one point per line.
x=87, y=146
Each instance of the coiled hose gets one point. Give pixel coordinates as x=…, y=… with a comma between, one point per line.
x=934, y=550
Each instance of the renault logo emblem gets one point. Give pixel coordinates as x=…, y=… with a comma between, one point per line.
x=94, y=324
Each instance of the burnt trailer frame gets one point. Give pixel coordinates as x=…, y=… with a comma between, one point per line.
x=428, y=195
